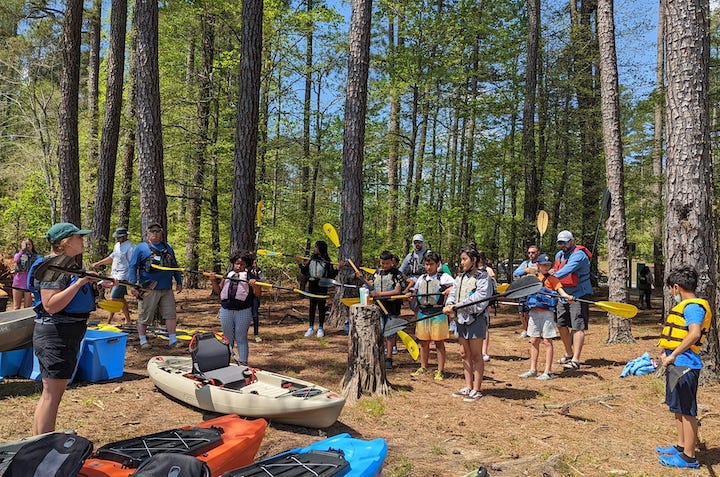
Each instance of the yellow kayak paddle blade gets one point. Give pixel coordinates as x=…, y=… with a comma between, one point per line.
x=502, y=287
x=331, y=234
x=110, y=305
x=624, y=310
x=410, y=344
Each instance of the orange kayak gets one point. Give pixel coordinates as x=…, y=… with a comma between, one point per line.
x=224, y=443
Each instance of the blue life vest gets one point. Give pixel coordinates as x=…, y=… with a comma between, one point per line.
x=538, y=300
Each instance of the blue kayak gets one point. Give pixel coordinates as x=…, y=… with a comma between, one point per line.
x=339, y=455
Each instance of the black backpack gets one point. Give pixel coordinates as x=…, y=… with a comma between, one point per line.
x=54, y=455
x=172, y=465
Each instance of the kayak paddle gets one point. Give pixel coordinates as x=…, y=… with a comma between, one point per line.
x=525, y=286
x=624, y=310
x=329, y=282
x=296, y=290
x=110, y=305
x=410, y=344
x=142, y=287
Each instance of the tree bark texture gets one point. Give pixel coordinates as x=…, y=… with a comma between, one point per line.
x=619, y=330
x=657, y=151
x=68, y=148
x=689, y=227
x=532, y=188
x=393, y=134
x=151, y=172
x=242, y=227
x=365, y=373
x=93, y=86
x=111, y=127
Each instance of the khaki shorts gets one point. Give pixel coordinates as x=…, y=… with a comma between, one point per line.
x=163, y=300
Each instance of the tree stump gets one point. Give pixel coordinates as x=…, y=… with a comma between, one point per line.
x=366, y=355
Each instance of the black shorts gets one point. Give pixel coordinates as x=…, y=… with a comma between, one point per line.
x=57, y=347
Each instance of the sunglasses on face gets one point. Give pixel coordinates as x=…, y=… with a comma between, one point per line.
x=155, y=231
x=532, y=253
x=563, y=242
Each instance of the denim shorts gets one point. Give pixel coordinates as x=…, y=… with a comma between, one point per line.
x=118, y=292
x=477, y=329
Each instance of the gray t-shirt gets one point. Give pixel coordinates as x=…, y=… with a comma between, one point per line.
x=121, y=259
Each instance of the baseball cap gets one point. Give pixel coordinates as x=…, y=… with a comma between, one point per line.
x=155, y=225
x=418, y=238
x=565, y=236
x=64, y=230
x=120, y=232
x=543, y=259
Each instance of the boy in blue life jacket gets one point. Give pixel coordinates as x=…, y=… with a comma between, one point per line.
x=682, y=337
x=541, y=322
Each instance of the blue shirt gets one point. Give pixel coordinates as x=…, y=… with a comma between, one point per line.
x=578, y=263
x=694, y=315
x=137, y=264
x=520, y=270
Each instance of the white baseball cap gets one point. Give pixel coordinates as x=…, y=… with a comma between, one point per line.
x=418, y=238
x=565, y=236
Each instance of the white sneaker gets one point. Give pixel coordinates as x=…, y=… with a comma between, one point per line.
x=523, y=335
x=320, y=333
x=309, y=332
x=486, y=357
x=472, y=396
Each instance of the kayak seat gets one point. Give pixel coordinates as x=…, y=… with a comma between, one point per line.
x=211, y=361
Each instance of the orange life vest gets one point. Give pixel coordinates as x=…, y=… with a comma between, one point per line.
x=572, y=279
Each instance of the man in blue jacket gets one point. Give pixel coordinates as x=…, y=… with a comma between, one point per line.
x=155, y=251
x=528, y=267
x=572, y=268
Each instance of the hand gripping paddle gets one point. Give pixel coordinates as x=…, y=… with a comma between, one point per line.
x=525, y=286
x=52, y=272
x=623, y=310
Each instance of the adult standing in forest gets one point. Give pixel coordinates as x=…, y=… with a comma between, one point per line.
x=22, y=298
x=120, y=258
x=160, y=299
x=413, y=265
x=527, y=267
x=63, y=307
x=645, y=286
x=572, y=268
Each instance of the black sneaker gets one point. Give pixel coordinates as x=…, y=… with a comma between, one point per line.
x=388, y=364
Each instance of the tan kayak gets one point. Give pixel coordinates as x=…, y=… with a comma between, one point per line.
x=16, y=329
x=257, y=394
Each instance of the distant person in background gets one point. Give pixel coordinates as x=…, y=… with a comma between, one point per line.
x=413, y=265
x=318, y=266
x=645, y=286
x=22, y=298
x=120, y=258
x=527, y=267
x=63, y=307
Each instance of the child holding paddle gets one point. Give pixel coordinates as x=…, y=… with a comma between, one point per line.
x=430, y=291
x=686, y=327
x=472, y=319
x=316, y=267
x=541, y=323
x=388, y=281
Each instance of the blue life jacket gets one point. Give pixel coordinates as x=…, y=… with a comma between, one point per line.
x=541, y=300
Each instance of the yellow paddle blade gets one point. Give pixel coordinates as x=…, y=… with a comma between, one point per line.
x=331, y=234
x=110, y=305
x=542, y=222
x=369, y=270
x=106, y=327
x=169, y=269
x=502, y=287
x=410, y=344
x=269, y=253
x=258, y=212
x=624, y=310
x=350, y=301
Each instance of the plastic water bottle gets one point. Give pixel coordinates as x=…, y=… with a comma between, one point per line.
x=364, y=292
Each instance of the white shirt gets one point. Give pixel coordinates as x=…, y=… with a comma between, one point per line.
x=121, y=259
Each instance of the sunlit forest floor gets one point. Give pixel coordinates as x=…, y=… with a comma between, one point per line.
x=589, y=422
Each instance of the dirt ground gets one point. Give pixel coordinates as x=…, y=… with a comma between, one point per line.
x=589, y=422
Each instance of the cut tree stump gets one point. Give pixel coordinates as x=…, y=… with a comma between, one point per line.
x=366, y=355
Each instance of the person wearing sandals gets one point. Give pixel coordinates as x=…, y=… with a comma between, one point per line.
x=572, y=268
x=682, y=337
x=429, y=291
x=471, y=287
x=541, y=323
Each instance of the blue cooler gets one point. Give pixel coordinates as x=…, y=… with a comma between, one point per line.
x=10, y=362
x=102, y=356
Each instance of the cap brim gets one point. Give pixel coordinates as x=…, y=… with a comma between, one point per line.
x=83, y=232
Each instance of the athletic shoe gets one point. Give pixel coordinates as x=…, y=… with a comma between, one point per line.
x=669, y=450
x=529, y=374
x=175, y=344
x=486, y=357
x=388, y=364
x=394, y=350
x=258, y=339
x=564, y=359
x=678, y=462
x=472, y=396
x=420, y=371
x=309, y=332
x=461, y=393
x=439, y=375
x=523, y=335
x=545, y=377
x=571, y=365
x=146, y=345
x=321, y=333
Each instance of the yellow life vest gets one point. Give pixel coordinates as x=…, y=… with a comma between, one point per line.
x=675, y=329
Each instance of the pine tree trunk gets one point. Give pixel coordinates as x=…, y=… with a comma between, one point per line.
x=365, y=373
x=93, y=82
x=689, y=225
x=657, y=151
x=129, y=139
x=242, y=227
x=111, y=128
x=619, y=330
x=532, y=188
x=68, y=148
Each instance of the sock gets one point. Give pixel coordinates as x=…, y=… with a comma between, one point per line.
x=143, y=339
x=173, y=337
x=687, y=458
x=680, y=449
